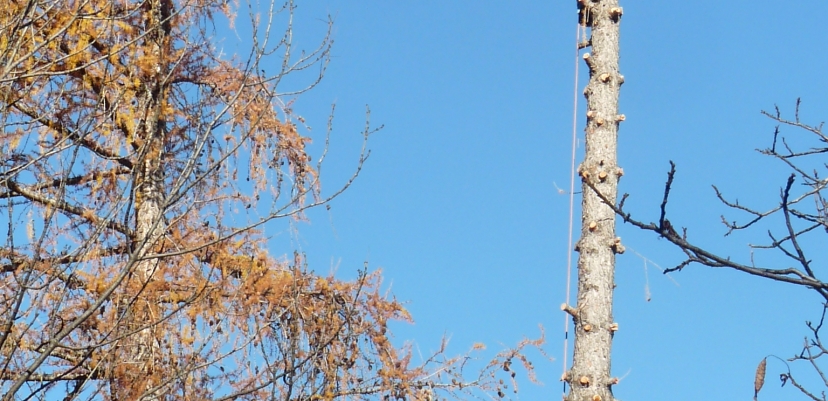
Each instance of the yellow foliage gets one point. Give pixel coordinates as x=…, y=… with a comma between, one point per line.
x=127, y=136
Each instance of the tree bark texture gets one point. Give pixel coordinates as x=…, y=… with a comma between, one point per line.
x=148, y=142
x=589, y=377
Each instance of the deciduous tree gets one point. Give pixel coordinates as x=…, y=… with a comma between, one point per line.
x=797, y=225
x=138, y=167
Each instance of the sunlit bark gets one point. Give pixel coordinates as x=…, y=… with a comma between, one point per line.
x=589, y=378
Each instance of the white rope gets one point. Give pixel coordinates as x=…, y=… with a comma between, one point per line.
x=569, y=251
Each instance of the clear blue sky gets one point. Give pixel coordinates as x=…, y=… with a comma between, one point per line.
x=458, y=203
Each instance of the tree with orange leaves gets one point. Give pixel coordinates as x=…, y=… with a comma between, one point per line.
x=125, y=273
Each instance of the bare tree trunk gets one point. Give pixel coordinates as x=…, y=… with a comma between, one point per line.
x=589, y=378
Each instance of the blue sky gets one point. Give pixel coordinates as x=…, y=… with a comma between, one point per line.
x=458, y=203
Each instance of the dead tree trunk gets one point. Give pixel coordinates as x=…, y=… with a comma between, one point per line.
x=589, y=378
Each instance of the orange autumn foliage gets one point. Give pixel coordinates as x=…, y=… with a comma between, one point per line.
x=137, y=168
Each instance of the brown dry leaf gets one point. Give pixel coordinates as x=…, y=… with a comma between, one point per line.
x=760, y=378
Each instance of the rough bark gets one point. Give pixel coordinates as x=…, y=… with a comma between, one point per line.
x=141, y=349
x=589, y=378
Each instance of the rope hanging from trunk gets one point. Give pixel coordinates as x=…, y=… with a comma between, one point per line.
x=580, y=32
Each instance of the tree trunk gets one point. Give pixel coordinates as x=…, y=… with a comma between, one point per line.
x=139, y=380
x=589, y=378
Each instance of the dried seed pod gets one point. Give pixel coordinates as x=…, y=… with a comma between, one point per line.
x=759, y=380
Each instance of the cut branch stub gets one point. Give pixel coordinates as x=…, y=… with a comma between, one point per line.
x=617, y=247
x=584, y=173
x=570, y=310
x=590, y=62
x=616, y=13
